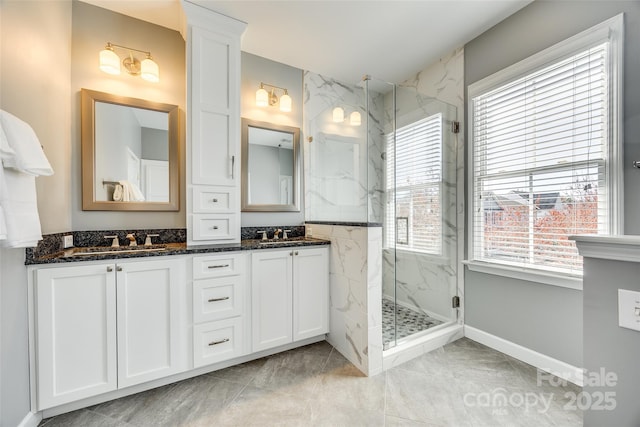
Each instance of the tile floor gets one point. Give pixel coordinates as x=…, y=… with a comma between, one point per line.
x=460, y=384
x=405, y=322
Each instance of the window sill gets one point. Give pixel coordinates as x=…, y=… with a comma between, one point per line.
x=561, y=280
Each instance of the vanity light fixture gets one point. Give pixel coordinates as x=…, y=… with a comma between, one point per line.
x=355, y=119
x=264, y=98
x=110, y=63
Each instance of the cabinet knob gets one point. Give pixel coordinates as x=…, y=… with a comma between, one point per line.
x=118, y=268
x=215, y=200
x=291, y=253
x=109, y=269
x=218, y=342
x=215, y=227
x=296, y=252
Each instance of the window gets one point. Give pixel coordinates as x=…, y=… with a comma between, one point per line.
x=413, y=213
x=544, y=137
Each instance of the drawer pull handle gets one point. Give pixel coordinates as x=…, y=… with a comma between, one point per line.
x=217, y=299
x=218, y=342
x=215, y=227
x=219, y=266
x=215, y=200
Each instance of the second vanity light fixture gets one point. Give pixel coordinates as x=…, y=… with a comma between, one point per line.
x=110, y=63
x=264, y=98
x=355, y=119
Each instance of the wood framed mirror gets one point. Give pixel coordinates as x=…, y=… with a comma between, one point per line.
x=130, y=154
x=270, y=167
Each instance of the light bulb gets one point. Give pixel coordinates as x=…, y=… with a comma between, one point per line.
x=338, y=115
x=285, y=102
x=109, y=61
x=355, y=119
x=262, y=97
x=149, y=70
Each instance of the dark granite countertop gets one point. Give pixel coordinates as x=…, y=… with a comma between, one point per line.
x=346, y=223
x=97, y=253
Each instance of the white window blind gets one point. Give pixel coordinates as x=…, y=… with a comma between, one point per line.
x=540, y=159
x=413, y=215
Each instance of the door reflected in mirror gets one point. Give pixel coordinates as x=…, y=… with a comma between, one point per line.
x=270, y=168
x=129, y=153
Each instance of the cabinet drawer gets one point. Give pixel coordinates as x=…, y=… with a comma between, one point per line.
x=215, y=299
x=217, y=341
x=229, y=264
x=214, y=227
x=213, y=199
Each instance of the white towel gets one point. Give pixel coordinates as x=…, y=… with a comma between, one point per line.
x=22, y=160
x=3, y=223
x=27, y=155
x=5, y=151
x=131, y=192
x=19, y=204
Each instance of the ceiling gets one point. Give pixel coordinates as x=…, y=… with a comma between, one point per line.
x=391, y=40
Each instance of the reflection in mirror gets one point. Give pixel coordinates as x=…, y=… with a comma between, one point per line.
x=130, y=159
x=270, y=178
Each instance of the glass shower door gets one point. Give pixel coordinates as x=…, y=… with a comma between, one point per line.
x=413, y=139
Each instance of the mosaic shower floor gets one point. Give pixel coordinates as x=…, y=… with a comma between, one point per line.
x=408, y=322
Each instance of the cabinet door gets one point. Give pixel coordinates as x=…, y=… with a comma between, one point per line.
x=214, y=108
x=75, y=333
x=271, y=284
x=149, y=295
x=310, y=293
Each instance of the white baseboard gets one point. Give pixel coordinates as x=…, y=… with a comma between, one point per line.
x=541, y=361
x=31, y=420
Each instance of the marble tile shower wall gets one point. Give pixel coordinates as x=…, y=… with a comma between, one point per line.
x=356, y=289
x=423, y=282
x=344, y=172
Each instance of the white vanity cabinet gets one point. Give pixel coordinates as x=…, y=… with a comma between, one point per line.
x=289, y=295
x=213, y=126
x=75, y=333
x=219, y=307
x=105, y=326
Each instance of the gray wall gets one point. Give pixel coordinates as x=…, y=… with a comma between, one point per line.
x=264, y=174
x=256, y=69
x=608, y=346
x=33, y=37
x=92, y=28
x=545, y=318
x=155, y=144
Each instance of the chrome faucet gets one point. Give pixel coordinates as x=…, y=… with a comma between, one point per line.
x=132, y=239
x=264, y=234
x=285, y=236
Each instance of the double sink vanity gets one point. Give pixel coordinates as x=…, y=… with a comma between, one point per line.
x=111, y=321
x=129, y=310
